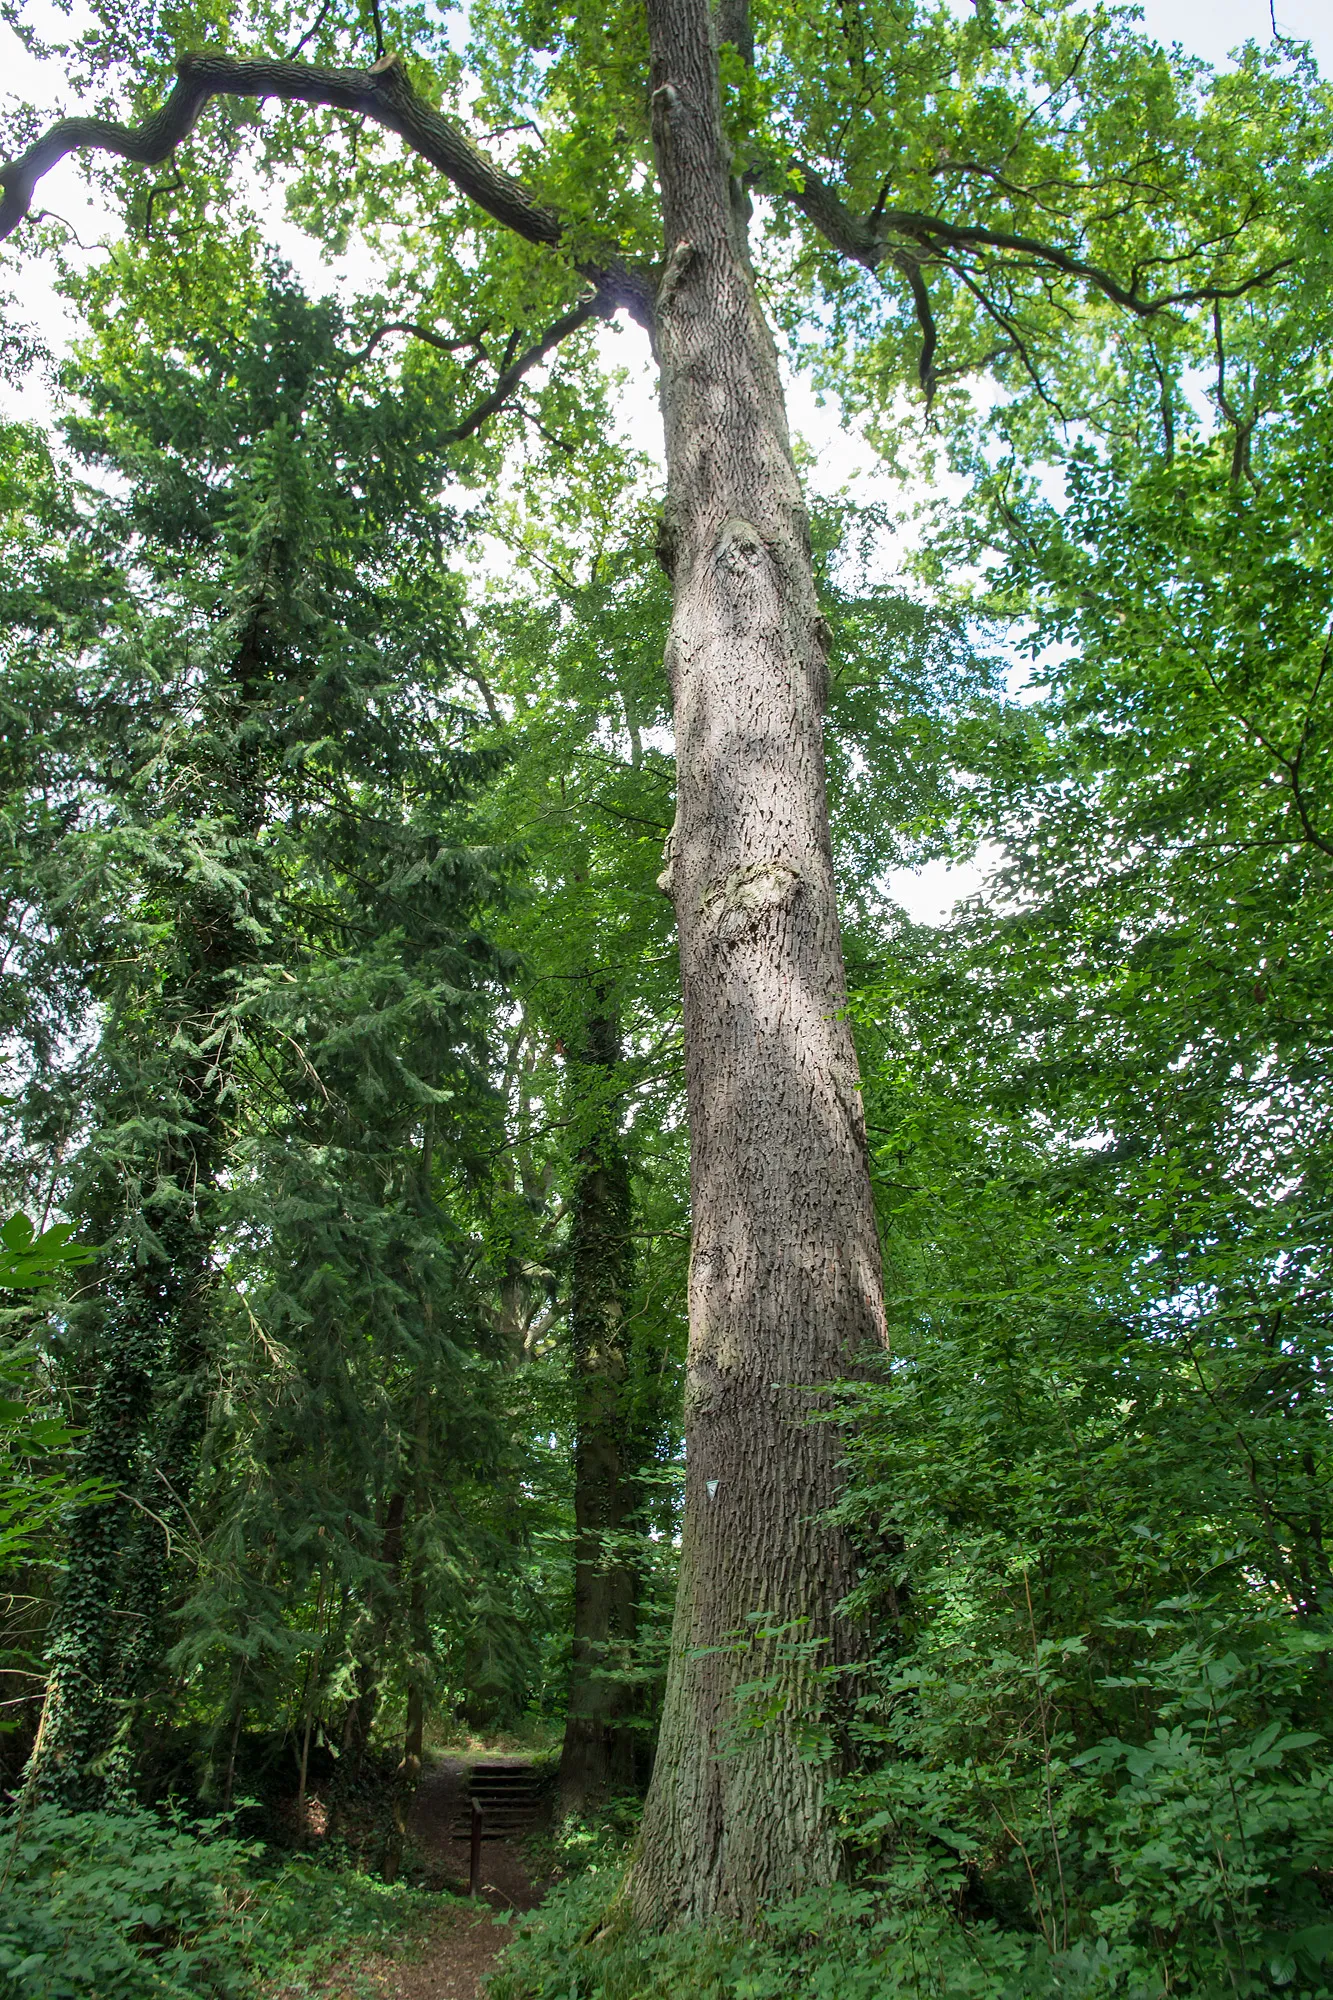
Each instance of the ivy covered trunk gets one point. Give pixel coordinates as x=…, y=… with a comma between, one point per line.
x=598, y=1757
x=155, y=1171
x=785, y=1279
x=145, y=1425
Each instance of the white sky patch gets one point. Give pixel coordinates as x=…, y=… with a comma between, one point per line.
x=1213, y=28
x=930, y=892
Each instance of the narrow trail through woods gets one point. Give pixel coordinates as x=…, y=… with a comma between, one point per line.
x=459, y=1947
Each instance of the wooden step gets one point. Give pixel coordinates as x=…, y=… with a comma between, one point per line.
x=508, y=1797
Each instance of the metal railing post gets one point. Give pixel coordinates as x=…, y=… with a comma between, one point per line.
x=474, y=1872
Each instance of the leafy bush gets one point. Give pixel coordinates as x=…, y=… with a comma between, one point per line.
x=1182, y=1857
x=120, y=1904
x=897, y=1939
x=846, y=1943
x=133, y=1906
x=306, y=1913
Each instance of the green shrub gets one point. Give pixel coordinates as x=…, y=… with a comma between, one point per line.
x=120, y=1906
x=132, y=1905
x=840, y=1944
x=307, y=1913
x=896, y=1939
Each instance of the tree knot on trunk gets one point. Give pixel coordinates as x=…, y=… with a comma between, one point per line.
x=668, y=541
x=666, y=880
x=740, y=546
x=706, y=1387
x=734, y=908
x=746, y=578
x=673, y=271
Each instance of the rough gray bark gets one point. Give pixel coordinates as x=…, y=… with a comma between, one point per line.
x=785, y=1280
x=598, y=1757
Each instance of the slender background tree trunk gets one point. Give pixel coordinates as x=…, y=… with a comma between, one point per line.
x=785, y=1280
x=598, y=1755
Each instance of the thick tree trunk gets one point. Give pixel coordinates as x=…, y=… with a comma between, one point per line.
x=598, y=1756
x=785, y=1281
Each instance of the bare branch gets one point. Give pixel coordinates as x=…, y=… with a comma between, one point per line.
x=1242, y=426
x=50, y=215
x=523, y=125
x=172, y=186
x=600, y=306
x=426, y=333
x=1167, y=412
x=529, y=416
x=311, y=31
x=1008, y=325
x=925, y=366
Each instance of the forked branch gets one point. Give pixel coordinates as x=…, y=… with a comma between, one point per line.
x=600, y=306
x=870, y=241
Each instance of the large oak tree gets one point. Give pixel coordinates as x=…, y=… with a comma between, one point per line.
x=1037, y=193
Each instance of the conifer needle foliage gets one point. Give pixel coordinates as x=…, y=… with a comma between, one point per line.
x=242, y=828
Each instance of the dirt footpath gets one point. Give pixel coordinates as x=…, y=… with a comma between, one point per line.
x=458, y=1947
x=447, y=1961
x=441, y=1803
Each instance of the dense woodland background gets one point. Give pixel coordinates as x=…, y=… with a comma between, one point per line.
x=341, y=1029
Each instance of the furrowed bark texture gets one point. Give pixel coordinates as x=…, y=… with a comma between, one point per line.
x=598, y=1755
x=785, y=1280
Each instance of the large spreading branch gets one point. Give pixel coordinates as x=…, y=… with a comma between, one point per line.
x=903, y=237
x=870, y=240
x=383, y=94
